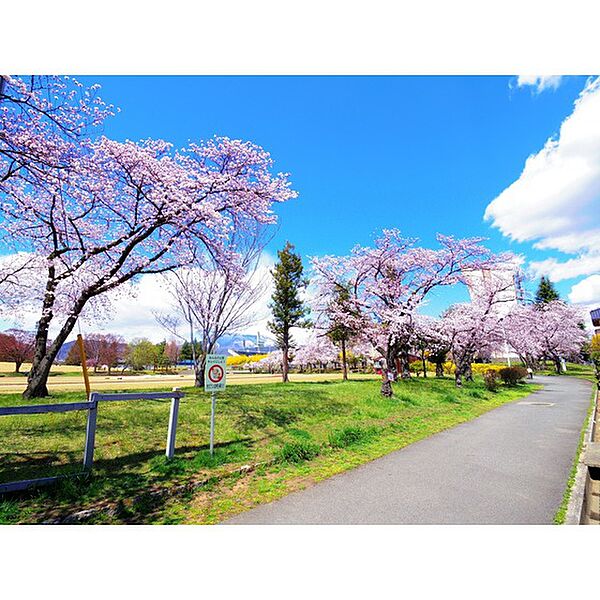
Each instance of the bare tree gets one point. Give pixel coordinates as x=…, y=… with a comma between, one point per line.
x=213, y=299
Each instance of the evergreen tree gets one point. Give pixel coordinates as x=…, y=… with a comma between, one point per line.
x=546, y=291
x=339, y=332
x=287, y=307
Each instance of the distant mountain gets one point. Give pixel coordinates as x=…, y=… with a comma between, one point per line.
x=64, y=351
x=246, y=343
x=239, y=343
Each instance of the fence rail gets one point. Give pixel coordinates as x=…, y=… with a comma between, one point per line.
x=91, y=406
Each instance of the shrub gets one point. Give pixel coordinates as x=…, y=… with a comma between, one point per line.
x=491, y=380
x=241, y=360
x=295, y=452
x=512, y=375
x=348, y=436
x=481, y=368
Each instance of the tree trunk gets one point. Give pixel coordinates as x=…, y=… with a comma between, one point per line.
x=439, y=369
x=199, y=367
x=386, y=384
x=463, y=369
x=18, y=366
x=457, y=378
x=285, y=364
x=44, y=357
x=424, y=364
x=558, y=366
x=404, y=364
x=468, y=373
x=344, y=363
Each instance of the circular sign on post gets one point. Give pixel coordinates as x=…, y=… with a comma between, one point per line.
x=216, y=373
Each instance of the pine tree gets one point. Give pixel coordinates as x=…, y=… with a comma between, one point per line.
x=546, y=291
x=287, y=307
x=339, y=332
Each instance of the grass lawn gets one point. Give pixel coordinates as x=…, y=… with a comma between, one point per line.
x=573, y=370
x=296, y=434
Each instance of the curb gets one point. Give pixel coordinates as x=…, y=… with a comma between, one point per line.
x=575, y=506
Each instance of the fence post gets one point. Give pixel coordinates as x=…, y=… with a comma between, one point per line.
x=90, y=432
x=172, y=432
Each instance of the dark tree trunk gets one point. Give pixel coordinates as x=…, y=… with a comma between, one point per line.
x=44, y=357
x=18, y=366
x=344, y=363
x=285, y=360
x=199, y=367
x=404, y=364
x=386, y=384
x=457, y=378
x=439, y=369
x=468, y=373
x=424, y=364
x=285, y=365
x=557, y=365
x=463, y=370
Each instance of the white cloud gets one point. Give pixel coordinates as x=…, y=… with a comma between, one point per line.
x=569, y=269
x=586, y=292
x=132, y=314
x=555, y=202
x=539, y=82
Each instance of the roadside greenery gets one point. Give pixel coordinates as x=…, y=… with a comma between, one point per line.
x=270, y=439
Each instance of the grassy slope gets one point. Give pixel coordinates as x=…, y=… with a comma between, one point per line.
x=254, y=423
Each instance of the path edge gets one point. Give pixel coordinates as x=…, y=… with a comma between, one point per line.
x=575, y=505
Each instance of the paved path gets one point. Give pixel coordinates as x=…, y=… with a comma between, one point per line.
x=510, y=465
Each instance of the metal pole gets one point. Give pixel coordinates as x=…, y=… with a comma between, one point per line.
x=213, y=406
x=90, y=433
x=172, y=432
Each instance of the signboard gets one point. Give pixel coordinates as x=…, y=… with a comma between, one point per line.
x=214, y=373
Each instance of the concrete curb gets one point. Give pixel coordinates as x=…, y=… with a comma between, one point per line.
x=575, y=506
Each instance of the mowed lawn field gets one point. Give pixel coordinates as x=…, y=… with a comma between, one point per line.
x=65, y=378
x=271, y=439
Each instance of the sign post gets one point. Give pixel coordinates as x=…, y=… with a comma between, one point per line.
x=214, y=381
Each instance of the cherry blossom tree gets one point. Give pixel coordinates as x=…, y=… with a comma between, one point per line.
x=433, y=341
x=551, y=330
x=477, y=328
x=523, y=333
x=327, y=306
x=44, y=123
x=214, y=298
x=387, y=284
x=116, y=210
x=318, y=351
x=271, y=363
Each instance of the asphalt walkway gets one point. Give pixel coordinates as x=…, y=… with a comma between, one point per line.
x=509, y=466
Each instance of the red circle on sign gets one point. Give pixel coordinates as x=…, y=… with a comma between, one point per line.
x=215, y=373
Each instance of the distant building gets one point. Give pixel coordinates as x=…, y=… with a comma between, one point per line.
x=508, y=283
x=595, y=314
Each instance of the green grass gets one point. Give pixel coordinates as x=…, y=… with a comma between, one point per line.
x=297, y=433
x=573, y=370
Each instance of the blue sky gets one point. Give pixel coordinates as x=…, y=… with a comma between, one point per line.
x=424, y=154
